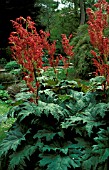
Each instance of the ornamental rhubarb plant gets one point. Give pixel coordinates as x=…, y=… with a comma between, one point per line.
x=27, y=49
x=98, y=22
x=28, y=46
x=68, y=49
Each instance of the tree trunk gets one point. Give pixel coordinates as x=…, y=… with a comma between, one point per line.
x=82, y=12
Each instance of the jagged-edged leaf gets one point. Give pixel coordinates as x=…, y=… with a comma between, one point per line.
x=103, y=166
x=57, y=162
x=18, y=158
x=100, y=109
x=15, y=161
x=28, y=106
x=67, y=83
x=79, y=101
x=48, y=134
x=98, y=80
x=74, y=125
x=105, y=155
x=3, y=118
x=64, y=97
x=89, y=163
x=102, y=147
x=70, y=106
x=77, y=95
x=103, y=137
x=82, y=143
x=13, y=112
x=90, y=122
x=85, y=101
x=63, y=148
x=17, y=110
x=89, y=97
x=24, y=110
x=81, y=104
x=12, y=140
x=61, y=133
x=55, y=110
x=23, y=96
x=70, y=121
x=86, y=120
x=47, y=95
x=24, y=113
x=55, y=146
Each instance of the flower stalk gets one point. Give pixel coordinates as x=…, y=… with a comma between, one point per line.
x=27, y=46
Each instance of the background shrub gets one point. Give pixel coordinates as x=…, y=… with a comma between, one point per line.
x=82, y=59
x=12, y=65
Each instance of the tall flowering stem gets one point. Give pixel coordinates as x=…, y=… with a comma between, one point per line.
x=98, y=22
x=54, y=60
x=28, y=46
x=27, y=49
x=68, y=49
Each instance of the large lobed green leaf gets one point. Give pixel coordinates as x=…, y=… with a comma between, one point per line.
x=58, y=162
x=11, y=142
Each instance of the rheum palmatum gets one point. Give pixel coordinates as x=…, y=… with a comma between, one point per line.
x=27, y=49
x=68, y=49
x=27, y=46
x=98, y=22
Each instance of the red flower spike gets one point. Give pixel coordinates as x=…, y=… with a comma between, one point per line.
x=27, y=46
x=98, y=22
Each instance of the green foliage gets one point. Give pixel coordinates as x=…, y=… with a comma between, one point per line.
x=102, y=147
x=82, y=59
x=97, y=82
x=7, y=78
x=47, y=15
x=4, y=96
x=11, y=66
x=68, y=131
x=59, y=162
x=1, y=87
x=50, y=75
x=17, y=88
x=5, y=123
x=66, y=22
x=2, y=62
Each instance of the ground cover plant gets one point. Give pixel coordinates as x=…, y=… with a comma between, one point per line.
x=58, y=124
x=4, y=125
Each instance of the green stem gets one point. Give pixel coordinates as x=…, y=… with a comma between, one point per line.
x=56, y=77
x=66, y=73
x=35, y=76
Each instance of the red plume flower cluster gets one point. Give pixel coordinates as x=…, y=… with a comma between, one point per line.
x=27, y=46
x=66, y=46
x=68, y=49
x=98, y=22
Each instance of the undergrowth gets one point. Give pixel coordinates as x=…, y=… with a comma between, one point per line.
x=68, y=131
x=4, y=126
